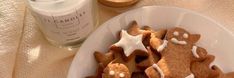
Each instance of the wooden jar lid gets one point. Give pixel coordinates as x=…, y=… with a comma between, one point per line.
x=118, y=3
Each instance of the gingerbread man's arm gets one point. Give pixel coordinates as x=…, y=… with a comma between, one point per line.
x=199, y=52
x=157, y=44
x=151, y=72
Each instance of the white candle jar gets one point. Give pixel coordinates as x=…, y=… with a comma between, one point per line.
x=65, y=23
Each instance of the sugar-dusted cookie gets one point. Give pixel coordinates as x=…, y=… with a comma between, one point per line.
x=178, y=51
x=116, y=70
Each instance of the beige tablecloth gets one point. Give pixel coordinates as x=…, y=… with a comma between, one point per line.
x=24, y=52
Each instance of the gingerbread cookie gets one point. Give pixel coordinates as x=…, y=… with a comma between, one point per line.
x=146, y=53
x=133, y=39
x=221, y=74
x=116, y=70
x=152, y=59
x=178, y=51
x=135, y=29
x=104, y=59
x=229, y=75
x=154, y=71
x=203, y=69
x=130, y=46
x=116, y=56
x=130, y=43
x=130, y=63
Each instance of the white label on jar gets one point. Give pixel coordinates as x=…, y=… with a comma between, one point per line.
x=67, y=28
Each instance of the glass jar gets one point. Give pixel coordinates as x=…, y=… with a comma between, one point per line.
x=65, y=23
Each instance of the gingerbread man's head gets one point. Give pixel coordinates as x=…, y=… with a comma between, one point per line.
x=181, y=37
x=116, y=70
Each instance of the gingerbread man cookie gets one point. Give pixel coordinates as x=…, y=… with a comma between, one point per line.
x=178, y=51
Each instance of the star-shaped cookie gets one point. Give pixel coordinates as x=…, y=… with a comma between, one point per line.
x=104, y=59
x=130, y=43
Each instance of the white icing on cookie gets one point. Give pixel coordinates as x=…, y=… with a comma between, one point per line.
x=161, y=47
x=194, y=51
x=155, y=66
x=185, y=35
x=111, y=72
x=130, y=43
x=176, y=33
x=121, y=75
x=174, y=40
x=190, y=76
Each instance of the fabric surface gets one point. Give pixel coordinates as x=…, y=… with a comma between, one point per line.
x=36, y=58
x=25, y=53
x=11, y=25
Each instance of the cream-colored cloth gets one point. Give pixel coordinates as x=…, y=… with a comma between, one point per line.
x=24, y=52
x=36, y=58
x=11, y=25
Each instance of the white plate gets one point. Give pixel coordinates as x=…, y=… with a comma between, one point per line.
x=215, y=38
